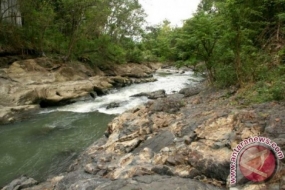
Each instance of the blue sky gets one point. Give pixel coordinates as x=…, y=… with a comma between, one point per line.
x=173, y=10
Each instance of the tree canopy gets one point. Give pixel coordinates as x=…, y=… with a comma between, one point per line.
x=235, y=42
x=97, y=30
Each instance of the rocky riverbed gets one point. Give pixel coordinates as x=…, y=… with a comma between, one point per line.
x=27, y=85
x=178, y=141
x=182, y=141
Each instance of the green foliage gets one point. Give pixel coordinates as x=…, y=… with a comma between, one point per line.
x=235, y=42
x=135, y=55
x=278, y=92
x=96, y=29
x=225, y=76
x=263, y=91
x=159, y=43
x=238, y=42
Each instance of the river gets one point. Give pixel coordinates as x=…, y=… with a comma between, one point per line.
x=46, y=144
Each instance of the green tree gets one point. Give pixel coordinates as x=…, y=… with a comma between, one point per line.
x=198, y=41
x=98, y=29
x=159, y=42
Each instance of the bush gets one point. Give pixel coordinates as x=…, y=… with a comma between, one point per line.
x=134, y=55
x=225, y=76
x=278, y=91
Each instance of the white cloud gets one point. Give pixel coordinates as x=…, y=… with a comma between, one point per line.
x=173, y=10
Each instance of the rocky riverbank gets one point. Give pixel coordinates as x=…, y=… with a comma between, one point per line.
x=182, y=141
x=27, y=85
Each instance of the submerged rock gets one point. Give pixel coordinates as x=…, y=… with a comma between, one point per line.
x=14, y=113
x=113, y=105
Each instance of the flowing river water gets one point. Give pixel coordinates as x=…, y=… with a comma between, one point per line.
x=47, y=143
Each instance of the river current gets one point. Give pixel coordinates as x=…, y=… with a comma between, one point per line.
x=46, y=144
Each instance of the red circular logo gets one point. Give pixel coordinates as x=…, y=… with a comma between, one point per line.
x=257, y=163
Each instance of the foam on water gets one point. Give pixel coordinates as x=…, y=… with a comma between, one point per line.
x=172, y=82
x=45, y=145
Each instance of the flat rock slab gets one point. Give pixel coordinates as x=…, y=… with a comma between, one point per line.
x=158, y=182
x=147, y=182
x=158, y=142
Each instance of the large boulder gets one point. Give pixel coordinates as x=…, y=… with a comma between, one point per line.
x=119, y=81
x=190, y=91
x=130, y=70
x=152, y=95
x=170, y=104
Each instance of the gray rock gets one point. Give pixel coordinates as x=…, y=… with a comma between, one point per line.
x=79, y=180
x=156, y=94
x=152, y=95
x=170, y=104
x=162, y=170
x=21, y=183
x=187, y=92
x=175, y=96
x=113, y=105
x=189, y=138
x=275, y=125
x=140, y=94
x=218, y=145
x=209, y=167
x=100, y=91
x=151, y=182
x=91, y=168
x=158, y=142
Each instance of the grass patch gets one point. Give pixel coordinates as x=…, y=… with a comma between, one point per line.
x=262, y=92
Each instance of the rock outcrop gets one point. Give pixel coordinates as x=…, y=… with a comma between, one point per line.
x=29, y=84
x=189, y=147
x=21, y=183
x=181, y=141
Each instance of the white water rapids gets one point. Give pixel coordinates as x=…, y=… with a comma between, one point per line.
x=46, y=143
x=169, y=80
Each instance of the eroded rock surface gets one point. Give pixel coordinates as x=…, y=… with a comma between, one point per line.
x=174, y=142
x=45, y=82
x=21, y=183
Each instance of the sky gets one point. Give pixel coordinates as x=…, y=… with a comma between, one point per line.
x=173, y=10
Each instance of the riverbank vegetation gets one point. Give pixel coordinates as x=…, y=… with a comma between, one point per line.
x=236, y=42
x=94, y=31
